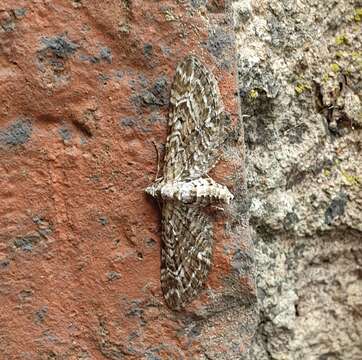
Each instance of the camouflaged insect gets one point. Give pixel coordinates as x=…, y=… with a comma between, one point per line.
x=197, y=123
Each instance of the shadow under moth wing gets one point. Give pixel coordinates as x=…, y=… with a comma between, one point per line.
x=197, y=123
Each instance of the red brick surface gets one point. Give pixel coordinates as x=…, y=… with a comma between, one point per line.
x=84, y=90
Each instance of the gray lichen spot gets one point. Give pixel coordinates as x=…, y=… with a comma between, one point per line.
x=242, y=262
x=16, y=134
x=290, y=220
x=255, y=75
x=219, y=40
x=336, y=208
x=295, y=136
x=106, y=54
x=60, y=46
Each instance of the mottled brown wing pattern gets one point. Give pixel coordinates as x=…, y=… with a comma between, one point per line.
x=196, y=122
x=186, y=252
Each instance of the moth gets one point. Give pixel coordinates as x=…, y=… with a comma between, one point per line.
x=197, y=129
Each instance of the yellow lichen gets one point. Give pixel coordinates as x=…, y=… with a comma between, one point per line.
x=301, y=88
x=356, y=55
x=358, y=14
x=350, y=179
x=341, y=54
x=335, y=68
x=341, y=40
x=253, y=94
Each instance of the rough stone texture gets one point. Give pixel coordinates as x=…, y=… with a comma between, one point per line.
x=300, y=68
x=84, y=89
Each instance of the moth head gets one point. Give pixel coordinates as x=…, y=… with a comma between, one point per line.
x=152, y=190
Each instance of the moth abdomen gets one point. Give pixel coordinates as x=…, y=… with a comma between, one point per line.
x=202, y=191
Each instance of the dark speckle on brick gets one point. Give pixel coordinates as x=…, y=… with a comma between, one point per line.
x=155, y=117
x=20, y=12
x=151, y=242
x=166, y=51
x=25, y=295
x=336, y=208
x=148, y=50
x=128, y=122
x=135, y=311
x=106, y=54
x=150, y=356
x=89, y=58
x=41, y=314
x=7, y=22
x=143, y=81
x=4, y=263
x=113, y=275
x=103, y=220
x=50, y=337
x=119, y=74
x=198, y=3
x=154, y=96
x=148, y=98
x=16, y=134
x=103, y=78
x=160, y=90
x=218, y=41
x=60, y=46
x=133, y=335
x=27, y=242
x=65, y=134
